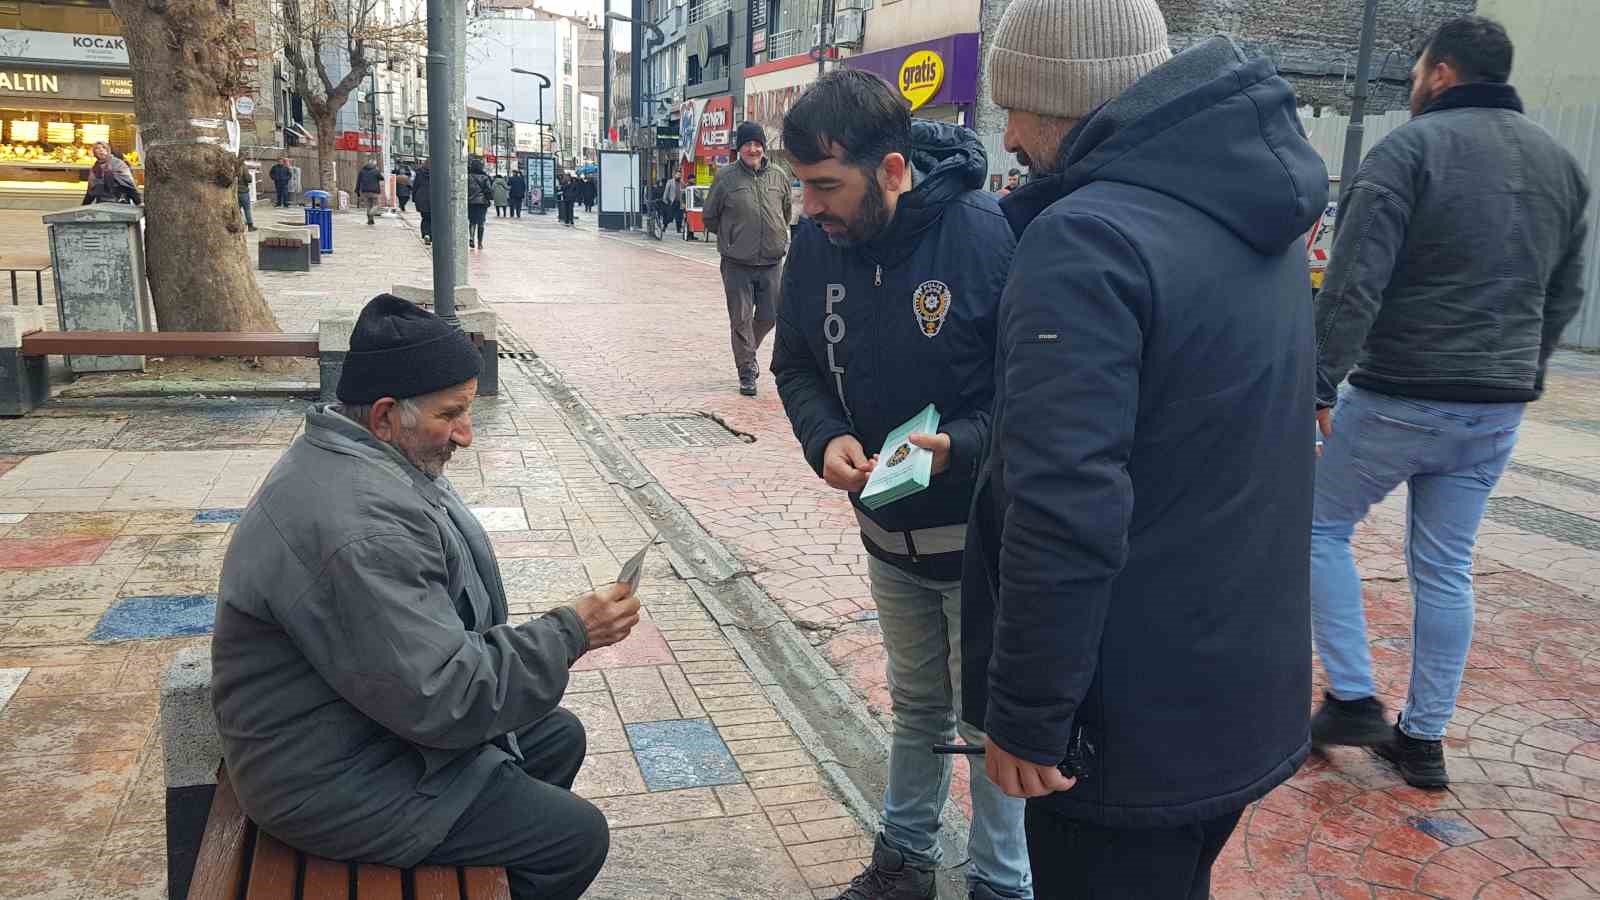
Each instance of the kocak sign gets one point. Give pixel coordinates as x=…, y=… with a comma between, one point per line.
x=56, y=46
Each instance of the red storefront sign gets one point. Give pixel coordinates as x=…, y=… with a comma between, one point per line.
x=359, y=141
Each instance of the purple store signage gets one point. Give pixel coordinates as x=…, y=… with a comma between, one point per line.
x=932, y=73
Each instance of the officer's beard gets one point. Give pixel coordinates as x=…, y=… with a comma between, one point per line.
x=871, y=219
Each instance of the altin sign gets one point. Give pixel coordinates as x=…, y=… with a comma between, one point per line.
x=29, y=83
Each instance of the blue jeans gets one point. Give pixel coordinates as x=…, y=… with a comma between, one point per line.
x=1450, y=455
x=921, y=622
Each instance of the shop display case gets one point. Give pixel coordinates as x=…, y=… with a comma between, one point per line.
x=45, y=155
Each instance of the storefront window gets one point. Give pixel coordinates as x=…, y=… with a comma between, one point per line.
x=51, y=150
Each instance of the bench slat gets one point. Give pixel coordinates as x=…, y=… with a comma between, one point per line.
x=168, y=343
x=219, y=866
x=272, y=870
x=377, y=883
x=437, y=883
x=486, y=884
x=326, y=879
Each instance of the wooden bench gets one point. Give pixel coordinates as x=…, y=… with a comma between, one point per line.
x=238, y=859
x=168, y=343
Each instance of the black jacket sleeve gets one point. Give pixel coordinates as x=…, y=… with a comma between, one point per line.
x=814, y=409
x=1565, y=295
x=1071, y=336
x=1367, y=239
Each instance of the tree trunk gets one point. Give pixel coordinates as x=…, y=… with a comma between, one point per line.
x=185, y=60
x=327, y=162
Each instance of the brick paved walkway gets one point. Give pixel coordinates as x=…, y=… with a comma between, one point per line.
x=114, y=517
x=638, y=327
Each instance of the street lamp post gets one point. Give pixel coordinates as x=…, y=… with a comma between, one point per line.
x=494, y=136
x=1355, y=134
x=413, y=129
x=444, y=149
x=544, y=85
x=372, y=103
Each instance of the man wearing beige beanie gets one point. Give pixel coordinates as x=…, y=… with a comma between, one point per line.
x=1136, y=605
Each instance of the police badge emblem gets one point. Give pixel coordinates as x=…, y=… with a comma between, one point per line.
x=900, y=454
x=931, y=300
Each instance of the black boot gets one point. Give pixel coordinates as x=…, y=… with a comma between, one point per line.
x=1349, y=723
x=891, y=877
x=1421, y=763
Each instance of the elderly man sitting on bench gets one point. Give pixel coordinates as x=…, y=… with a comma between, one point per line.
x=373, y=703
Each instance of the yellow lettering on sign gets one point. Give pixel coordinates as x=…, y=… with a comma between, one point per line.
x=921, y=76
x=30, y=82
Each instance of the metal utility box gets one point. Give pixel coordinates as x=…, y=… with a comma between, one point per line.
x=98, y=256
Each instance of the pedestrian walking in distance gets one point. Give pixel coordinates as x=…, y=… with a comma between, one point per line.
x=517, y=190
x=281, y=175
x=1457, y=262
x=480, y=195
x=369, y=186
x=1136, y=615
x=749, y=209
x=362, y=620
x=402, y=186
x=422, y=192
x=246, y=198
x=896, y=272
x=674, y=199
x=502, y=196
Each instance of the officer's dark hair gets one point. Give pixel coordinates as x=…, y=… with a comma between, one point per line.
x=855, y=110
x=1477, y=48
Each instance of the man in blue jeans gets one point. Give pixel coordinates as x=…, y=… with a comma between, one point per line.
x=1456, y=265
x=889, y=301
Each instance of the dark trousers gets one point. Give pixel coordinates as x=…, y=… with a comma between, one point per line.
x=475, y=218
x=403, y=201
x=282, y=191
x=1076, y=861
x=753, y=297
x=427, y=223
x=516, y=206
x=551, y=841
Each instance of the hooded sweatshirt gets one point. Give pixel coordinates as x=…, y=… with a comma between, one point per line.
x=868, y=336
x=1138, y=581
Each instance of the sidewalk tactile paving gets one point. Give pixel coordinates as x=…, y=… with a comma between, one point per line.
x=147, y=618
x=679, y=754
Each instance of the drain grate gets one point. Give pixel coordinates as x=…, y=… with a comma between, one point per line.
x=1551, y=475
x=676, y=431
x=1569, y=528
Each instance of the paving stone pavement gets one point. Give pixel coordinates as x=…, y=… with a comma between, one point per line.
x=638, y=328
x=114, y=518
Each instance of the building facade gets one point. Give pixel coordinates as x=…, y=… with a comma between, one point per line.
x=1555, y=49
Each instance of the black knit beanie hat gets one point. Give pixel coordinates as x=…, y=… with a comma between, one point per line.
x=749, y=131
x=400, y=350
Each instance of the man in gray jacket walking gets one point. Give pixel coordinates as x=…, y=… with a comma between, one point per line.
x=373, y=702
x=749, y=209
x=1457, y=263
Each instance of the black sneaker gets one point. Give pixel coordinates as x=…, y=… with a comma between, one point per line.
x=1350, y=723
x=891, y=877
x=747, y=388
x=1421, y=763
